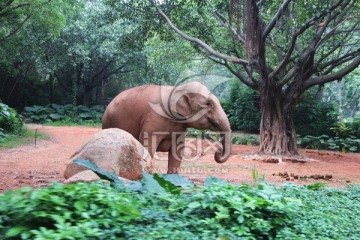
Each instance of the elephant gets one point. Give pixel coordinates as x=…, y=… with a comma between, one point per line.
x=156, y=114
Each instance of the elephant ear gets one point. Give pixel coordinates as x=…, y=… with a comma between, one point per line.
x=180, y=104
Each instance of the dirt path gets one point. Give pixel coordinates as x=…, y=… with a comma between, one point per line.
x=36, y=166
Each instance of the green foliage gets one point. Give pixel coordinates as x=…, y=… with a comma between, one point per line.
x=312, y=116
x=347, y=128
x=76, y=211
x=65, y=113
x=345, y=94
x=168, y=60
x=242, y=108
x=245, y=140
x=218, y=210
x=325, y=142
x=44, y=14
x=10, y=121
x=202, y=134
x=255, y=176
x=98, y=211
x=26, y=28
x=327, y=213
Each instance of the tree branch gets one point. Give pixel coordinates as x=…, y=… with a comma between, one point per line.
x=13, y=8
x=220, y=18
x=285, y=61
x=331, y=65
x=338, y=45
x=250, y=83
x=16, y=29
x=237, y=74
x=277, y=16
x=198, y=41
x=332, y=77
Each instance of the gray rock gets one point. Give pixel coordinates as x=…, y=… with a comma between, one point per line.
x=84, y=176
x=115, y=150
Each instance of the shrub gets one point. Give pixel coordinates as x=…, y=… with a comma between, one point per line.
x=347, y=128
x=85, y=211
x=218, y=210
x=67, y=113
x=245, y=140
x=156, y=208
x=242, y=108
x=325, y=142
x=327, y=213
x=75, y=211
x=313, y=116
x=10, y=120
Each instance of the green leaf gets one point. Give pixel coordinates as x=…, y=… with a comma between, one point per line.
x=353, y=149
x=15, y=231
x=151, y=185
x=177, y=180
x=85, y=115
x=167, y=185
x=211, y=180
x=112, y=177
x=55, y=116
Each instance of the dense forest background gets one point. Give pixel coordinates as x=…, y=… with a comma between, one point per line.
x=85, y=52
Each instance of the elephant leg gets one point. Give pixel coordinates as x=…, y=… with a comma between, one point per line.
x=149, y=142
x=176, y=154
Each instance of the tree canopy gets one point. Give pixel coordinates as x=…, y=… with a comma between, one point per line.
x=279, y=48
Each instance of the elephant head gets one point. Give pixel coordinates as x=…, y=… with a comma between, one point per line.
x=195, y=106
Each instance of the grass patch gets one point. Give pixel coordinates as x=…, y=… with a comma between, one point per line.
x=25, y=138
x=71, y=123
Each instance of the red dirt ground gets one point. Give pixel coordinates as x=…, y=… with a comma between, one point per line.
x=37, y=166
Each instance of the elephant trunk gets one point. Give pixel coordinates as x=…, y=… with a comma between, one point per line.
x=222, y=154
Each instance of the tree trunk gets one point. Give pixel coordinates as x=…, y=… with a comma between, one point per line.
x=51, y=88
x=277, y=129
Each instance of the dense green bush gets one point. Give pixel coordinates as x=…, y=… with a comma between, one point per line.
x=326, y=213
x=242, y=108
x=325, y=142
x=245, y=140
x=347, y=128
x=67, y=113
x=10, y=121
x=313, y=116
x=83, y=211
x=218, y=210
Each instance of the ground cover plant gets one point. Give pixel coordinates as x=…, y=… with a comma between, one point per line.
x=325, y=142
x=10, y=121
x=63, y=114
x=157, y=208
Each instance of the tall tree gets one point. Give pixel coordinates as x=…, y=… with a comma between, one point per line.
x=279, y=48
x=25, y=27
x=88, y=53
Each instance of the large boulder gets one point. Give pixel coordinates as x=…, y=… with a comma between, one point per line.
x=87, y=176
x=111, y=149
